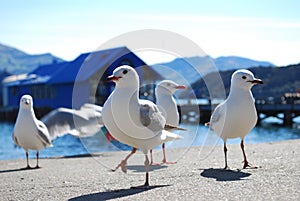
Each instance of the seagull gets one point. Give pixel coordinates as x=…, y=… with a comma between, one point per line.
x=137, y=123
x=31, y=133
x=237, y=115
x=166, y=103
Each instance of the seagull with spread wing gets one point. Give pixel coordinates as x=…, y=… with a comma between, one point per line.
x=33, y=134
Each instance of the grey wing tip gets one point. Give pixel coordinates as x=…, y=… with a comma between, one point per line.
x=15, y=140
x=171, y=127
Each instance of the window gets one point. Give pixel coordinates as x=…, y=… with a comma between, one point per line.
x=43, y=92
x=13, y=91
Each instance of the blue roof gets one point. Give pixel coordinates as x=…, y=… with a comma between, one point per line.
x=40, y=75
x=84, y=66
x=49, y=69
x=80, y=69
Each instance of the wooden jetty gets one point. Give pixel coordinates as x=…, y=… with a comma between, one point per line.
x=286, y=112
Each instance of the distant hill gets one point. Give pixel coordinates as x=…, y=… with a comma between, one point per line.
x=277, y=82
x=16, y=62
x=234, y=62
x=193, y=68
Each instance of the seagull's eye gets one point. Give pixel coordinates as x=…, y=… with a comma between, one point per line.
x=125, y=71
x=244, y=77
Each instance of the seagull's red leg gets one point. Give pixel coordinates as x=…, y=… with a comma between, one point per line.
x=37, y=160
x=147, y=170
x=164, y=156
x=124, y=162
x=225, y=152
x=28, y=166
x=151, y=158
x=246, y=164
x=147, y=166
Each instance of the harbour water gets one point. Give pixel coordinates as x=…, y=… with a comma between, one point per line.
x=196, y=135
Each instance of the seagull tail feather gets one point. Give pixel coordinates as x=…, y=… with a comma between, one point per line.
x=168, y=136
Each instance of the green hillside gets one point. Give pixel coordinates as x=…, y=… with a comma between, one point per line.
x=277, y=82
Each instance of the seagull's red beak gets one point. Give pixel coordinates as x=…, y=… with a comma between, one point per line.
x=113, y=78
x=180, y=87
x=257, y=81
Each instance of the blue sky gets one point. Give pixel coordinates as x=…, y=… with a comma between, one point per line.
x=258, y=29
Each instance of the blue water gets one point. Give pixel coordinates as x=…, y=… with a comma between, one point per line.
x=196, y=135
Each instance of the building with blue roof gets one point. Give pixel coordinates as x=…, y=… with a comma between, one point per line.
x=71, y=84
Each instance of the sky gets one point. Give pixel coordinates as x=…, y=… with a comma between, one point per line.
x=265, y=30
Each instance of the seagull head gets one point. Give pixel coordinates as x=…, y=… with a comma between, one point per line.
x=244, y=79
x=26, y=102
x=124, y=76
x=168, y=87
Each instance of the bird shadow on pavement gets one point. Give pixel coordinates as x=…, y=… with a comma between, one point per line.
x=224, y=174
x=141, y=168
x=114, y=194
x=18, y=170
x=88, y=155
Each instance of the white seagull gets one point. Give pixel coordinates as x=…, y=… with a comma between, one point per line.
x=30, y=133
x=166, y=103
x=137, y=123
x=236, y=116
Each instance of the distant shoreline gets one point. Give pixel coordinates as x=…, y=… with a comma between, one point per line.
x=69, y=146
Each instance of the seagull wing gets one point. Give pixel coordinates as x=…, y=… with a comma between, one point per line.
x=151, y=117
x=94, y=107
x=43, y=133
x=15, y=139
x=216, y=116
x=81, y=123
x=92, y=111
